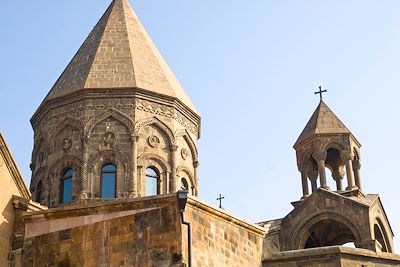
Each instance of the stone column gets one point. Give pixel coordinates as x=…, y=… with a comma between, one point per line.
x=349, y=171
x=338, y=177
x=320, y=158
x=313, y=178
x=196, y=165
x=356, y=169
x=172, y=183
x=84, y=185
x=304, y=181
x=133, y=190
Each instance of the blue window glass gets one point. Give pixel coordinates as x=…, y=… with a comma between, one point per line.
x=108, y=181
x=66, y=187
x=151, y=182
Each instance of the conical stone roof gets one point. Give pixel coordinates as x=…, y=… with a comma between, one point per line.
x=323, y=121
x=118, y=53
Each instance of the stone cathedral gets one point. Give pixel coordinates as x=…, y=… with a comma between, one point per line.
x=114, y=177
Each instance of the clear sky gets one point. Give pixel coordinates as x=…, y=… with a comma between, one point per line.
x=251, y=68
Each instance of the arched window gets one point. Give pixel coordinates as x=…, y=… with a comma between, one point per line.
x=184, y=184
x=108, y=181
x=152, y=179
x=66, y=186
x=39, y=192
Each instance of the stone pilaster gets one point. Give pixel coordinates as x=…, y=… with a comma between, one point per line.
x=172, y=179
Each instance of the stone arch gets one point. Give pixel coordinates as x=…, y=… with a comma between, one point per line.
x=335, y=145
x=74, y=123
x=40, y=146
x=301, y=234
x=157, y=123
x=185, y=134
x=189, y=175
x=119, y=116
x=55, y=173
x=153, y=160
x=146, y=159
x=110, y=156
x=380, y=234
x=356, y=153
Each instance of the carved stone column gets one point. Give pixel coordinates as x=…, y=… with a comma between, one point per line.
x=134, y=182
x=356, y=169
x=172, y=183
x=304, y=181
x=348, y=158
x=84, y=182
x=320, y=159
x=196, y=165
x=338, y=177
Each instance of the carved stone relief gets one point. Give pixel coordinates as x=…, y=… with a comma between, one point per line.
x=153, y=141
x=66, y=144
x=184, y=153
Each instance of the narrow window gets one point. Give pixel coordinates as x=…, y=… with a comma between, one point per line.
x=184, y=184
x=66, y=186
x=152, y=179
x=108, y=181
x=39, y=192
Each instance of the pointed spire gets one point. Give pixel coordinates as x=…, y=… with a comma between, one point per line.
x=323, y=121
x=118, y=53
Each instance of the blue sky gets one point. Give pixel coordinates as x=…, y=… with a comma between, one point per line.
x=251, y=68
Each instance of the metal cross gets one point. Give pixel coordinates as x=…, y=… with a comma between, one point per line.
x=220, y=200
x=320, y=92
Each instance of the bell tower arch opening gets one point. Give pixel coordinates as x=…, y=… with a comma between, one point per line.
x=328, y=232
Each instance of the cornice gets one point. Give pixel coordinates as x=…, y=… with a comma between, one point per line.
x=12, y=167
x=96, y=93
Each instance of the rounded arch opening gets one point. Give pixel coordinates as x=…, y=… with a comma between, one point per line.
x=380, y=236
x=329, y=232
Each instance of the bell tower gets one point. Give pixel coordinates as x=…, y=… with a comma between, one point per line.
x=326, y=143
x=339, y=215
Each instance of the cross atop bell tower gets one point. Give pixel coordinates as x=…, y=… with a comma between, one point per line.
x=327, y=143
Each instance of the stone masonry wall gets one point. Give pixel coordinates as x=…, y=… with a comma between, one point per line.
x=219, y=239
x=145, y=233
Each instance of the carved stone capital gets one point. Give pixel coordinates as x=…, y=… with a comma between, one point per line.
x=347, y=155
x=174, y=148
x=337, y=175
x=134, y=138
x=319, y=155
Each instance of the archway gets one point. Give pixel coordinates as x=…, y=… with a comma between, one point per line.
x=328, y=232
